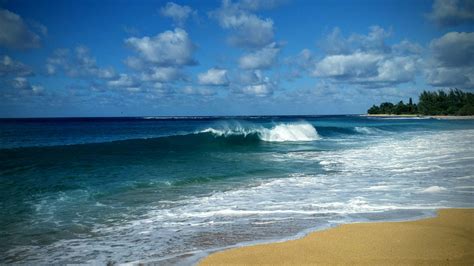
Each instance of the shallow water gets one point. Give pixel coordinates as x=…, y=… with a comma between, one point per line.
x=136, y=189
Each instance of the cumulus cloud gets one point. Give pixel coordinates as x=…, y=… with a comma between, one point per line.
x=374, y=41
x=189, y=90
x=255, y=5
x=358, y=65
x=170, y=48
x=452, y=12
x=370, y=70
x=124, y=81
x=259, y=90
x=22, y=84
x=254, y=83
x=106, y=73
x=249, y=30
x=178, y=13
x=214, y=77
x=160, y=60
x=134, y=63
x=15, y=34
x=453, y=60
x=78, y=63
x=406, y=47
x=450, y=77
x=260, y=59
x=454, y=49
x=367, y=60
x=10, y=67
x=162, y=74
x=300, y=64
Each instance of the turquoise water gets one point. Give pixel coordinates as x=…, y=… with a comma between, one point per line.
x=99, y=190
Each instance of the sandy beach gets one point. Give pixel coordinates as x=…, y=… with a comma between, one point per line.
x=447, y=239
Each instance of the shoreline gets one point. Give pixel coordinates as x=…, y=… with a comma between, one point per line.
x=195, y=257
x=446, y=238
x=442, y=117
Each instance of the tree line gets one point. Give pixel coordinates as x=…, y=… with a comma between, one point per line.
x=453, y=102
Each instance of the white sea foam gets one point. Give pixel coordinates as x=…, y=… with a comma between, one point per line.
x=379, y=188
x=282, y=132
x=367, y=130
x=382, y=175
x=290, y=132
x=433, y=189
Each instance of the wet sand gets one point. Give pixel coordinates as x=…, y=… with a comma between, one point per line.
x=447, y=239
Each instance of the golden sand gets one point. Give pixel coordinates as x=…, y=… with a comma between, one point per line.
x=447, y=239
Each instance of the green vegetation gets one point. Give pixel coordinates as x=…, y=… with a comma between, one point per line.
x=453, y=102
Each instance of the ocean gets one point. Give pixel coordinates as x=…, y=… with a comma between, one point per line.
x=169, y=190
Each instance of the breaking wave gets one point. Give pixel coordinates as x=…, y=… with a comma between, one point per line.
x=282, y=132
x=367, y=130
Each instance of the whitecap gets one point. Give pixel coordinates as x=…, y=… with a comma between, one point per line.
x=281, y=132
x=367, y=130
x=433, y=189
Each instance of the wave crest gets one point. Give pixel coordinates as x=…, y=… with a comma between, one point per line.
x=282, y=132
x=367, y=130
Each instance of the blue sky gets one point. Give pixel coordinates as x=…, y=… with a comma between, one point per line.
x=144, y=58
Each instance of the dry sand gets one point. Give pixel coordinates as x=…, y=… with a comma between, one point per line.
x=447, y=239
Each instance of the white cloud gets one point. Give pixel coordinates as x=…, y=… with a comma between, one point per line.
x=260, y=90
x=450, y=77
x=178, y=13
x=15, y=34
x=407, y=47
x=23, y=85
x=106, y=73
x=374, y=42
x=454, y=49
x=40, y=28
x=366, y=59
x=452, y=64
x=261, y=59
x=170, y=48
x=299, y=65
x=37, y=89
x=124, y=81
x=60, y=58
x=396, y=70
x=347, y=66
x=133, y=89
x=198, y=91
x=20, y=83
x=214, y=77
x=78, y=63
x=371, y=70
x=134, y=63
x=162, y=74
x=10, y=67
x=335, y=43
x=249, y=30
x=161, y=58
x=452, y=12
x=254, y=83
x=260, y=4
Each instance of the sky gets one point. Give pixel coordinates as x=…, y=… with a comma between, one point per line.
x=244, y=57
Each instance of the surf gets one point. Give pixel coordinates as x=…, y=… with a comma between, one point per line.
x=281, y=132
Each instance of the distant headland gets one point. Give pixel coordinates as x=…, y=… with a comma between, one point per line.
x=442, y=104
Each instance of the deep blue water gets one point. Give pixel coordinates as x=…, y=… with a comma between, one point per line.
x=95, y=190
